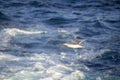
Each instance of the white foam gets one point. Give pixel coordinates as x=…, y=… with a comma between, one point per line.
x=15, y=31
x=77, y=75
x=19, y=35
x=63, y=31
x=63, y=55
x=47, y=67
x=7, y=57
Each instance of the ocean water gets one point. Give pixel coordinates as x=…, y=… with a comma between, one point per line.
x=32, y=33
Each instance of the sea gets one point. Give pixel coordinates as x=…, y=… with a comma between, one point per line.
x=32, y=33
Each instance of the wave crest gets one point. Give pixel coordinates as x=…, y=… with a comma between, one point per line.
x=15, y=31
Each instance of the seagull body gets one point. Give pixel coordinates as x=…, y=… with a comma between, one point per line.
x=69, y=45
x=75, y=44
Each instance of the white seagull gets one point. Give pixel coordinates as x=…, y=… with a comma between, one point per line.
x=75, y=44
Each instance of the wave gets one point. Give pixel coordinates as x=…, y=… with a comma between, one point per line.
x=109, y=26
x=52, y=66
x=44, y=67
x=3, y=16
x=7, y=57
x=59, y=20
x=8, y=35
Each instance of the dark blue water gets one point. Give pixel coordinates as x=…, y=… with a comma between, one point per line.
x=32, y=33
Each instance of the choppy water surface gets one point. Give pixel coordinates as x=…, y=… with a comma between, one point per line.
x=32, y=31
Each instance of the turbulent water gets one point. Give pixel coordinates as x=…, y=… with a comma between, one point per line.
x=32, y=33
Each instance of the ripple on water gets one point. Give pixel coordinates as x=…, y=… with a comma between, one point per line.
x=59, y=20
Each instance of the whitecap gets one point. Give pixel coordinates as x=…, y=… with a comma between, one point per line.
x=18, y=35
x=15, y=31
x=46, y=67
x=7, y=57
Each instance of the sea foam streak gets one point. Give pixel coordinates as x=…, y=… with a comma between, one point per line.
x=15, y=31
